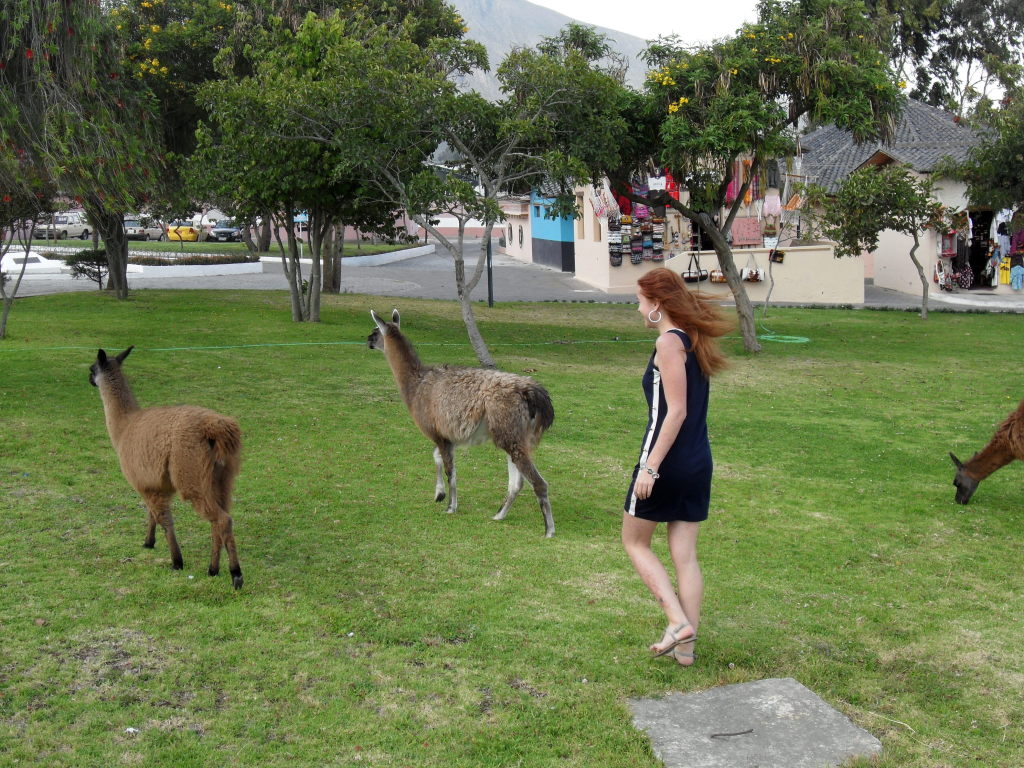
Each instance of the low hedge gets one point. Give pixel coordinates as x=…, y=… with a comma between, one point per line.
x=156, y=261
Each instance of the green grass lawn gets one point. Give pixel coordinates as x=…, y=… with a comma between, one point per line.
x=375, y=630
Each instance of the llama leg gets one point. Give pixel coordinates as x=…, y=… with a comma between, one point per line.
x=447, y=451
x=150, y=541
x=160, y=512
x=222, y=535
x=515, y=484
x=540, y=487
x=439, y=484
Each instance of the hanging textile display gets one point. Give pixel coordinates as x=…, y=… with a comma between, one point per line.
x=614, y=242
x=641, y=211
x=647, y=230
x=658, y=239
x=1004, y=271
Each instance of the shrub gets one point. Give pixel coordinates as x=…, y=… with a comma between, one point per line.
x=89, y=264
x=156, y=261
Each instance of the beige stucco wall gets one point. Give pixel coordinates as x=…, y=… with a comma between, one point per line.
x=517, y=220
x=809, y=275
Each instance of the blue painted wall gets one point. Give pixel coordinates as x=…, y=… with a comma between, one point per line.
x=553, y=239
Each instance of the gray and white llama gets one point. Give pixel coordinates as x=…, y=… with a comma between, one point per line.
x=455, y=405
x=183, y=448
x=1006, y=445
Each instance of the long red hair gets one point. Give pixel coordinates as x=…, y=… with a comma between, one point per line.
x=698, y=315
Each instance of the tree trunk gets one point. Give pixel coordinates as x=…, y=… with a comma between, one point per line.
x=111, y=227
x=462, y=289
x=291, y=265
x=744, y=309
x=920, y=274
x=331, y=259
x=8, y=298
x=263, y=243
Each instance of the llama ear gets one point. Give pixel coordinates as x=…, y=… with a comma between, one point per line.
x=101, y=357
x=120, y=358
x=378, y=322
x=395, y=318
x=956, y=461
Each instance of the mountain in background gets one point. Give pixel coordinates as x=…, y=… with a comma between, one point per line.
x=501, y=25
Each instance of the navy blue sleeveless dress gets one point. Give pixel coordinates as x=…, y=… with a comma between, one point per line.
x=683, y=490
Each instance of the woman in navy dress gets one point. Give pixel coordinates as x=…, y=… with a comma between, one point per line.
x=672, y=479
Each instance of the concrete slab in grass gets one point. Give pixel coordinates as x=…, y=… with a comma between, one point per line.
x=776, y=723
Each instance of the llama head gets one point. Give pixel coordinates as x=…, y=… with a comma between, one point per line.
x=376, y=338
x=104, y=364
x=965, y=484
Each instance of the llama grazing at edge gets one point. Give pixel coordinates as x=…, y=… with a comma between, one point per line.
x=454, y=405
x=1006, y=445
x=183, y=448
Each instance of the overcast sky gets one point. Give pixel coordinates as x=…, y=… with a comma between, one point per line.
x=695, y=21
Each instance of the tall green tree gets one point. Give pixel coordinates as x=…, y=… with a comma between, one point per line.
x=955, y=54
x=558, y=120
x=873, y=200
x=992, y=168
x=70, y=98
x=255, y=148
x=823, y=61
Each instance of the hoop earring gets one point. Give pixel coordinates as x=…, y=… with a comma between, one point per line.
x=651, y=320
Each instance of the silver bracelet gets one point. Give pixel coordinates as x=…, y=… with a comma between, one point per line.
x=654, y=475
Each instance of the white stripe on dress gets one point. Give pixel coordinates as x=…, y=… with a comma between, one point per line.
x=655, y=402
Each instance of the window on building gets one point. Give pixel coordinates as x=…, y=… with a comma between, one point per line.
x=536, y=211
x=520, y=234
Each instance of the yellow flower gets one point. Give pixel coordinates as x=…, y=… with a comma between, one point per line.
x=147, y=5
x=673, y=107
x=154, y=28
x=734, y=71
x=148, y=43
x=163, y=70
x=751, y=35
x=683, y=100
x=902, y=84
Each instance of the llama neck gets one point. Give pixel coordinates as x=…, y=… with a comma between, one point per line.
x=405, y=364
x=118, y=401
x=993, y=456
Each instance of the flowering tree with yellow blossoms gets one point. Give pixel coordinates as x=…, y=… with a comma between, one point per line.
x=802, y=61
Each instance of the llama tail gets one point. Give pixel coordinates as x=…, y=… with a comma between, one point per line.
x=225, y=440
x=542, y=412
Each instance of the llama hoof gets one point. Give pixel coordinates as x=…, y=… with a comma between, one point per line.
x=177, y=565
x=549, y=534
x=499, y=516
x=213, y=571
x=149, y=544
x=236, y=579
x=440, y=496
x=450, y=511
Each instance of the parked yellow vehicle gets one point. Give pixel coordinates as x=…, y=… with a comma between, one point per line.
x=183, y=230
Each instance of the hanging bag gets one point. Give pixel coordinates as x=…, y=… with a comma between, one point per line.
x=752, y=273
x=693, y=273
x=776, y=256
x=717, y=276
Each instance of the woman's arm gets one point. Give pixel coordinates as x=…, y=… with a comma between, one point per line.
x=670, y=358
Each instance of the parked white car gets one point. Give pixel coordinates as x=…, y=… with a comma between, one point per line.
x=143, y=228
x=62, y=226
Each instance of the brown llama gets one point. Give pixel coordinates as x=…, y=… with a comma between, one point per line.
x=455, y=405
x=1006, y=445
x=182, y=448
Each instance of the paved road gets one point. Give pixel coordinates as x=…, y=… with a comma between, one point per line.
x=431, y=277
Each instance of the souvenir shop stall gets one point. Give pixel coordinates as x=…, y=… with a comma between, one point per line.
x=639, y=238
x=983, y=252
